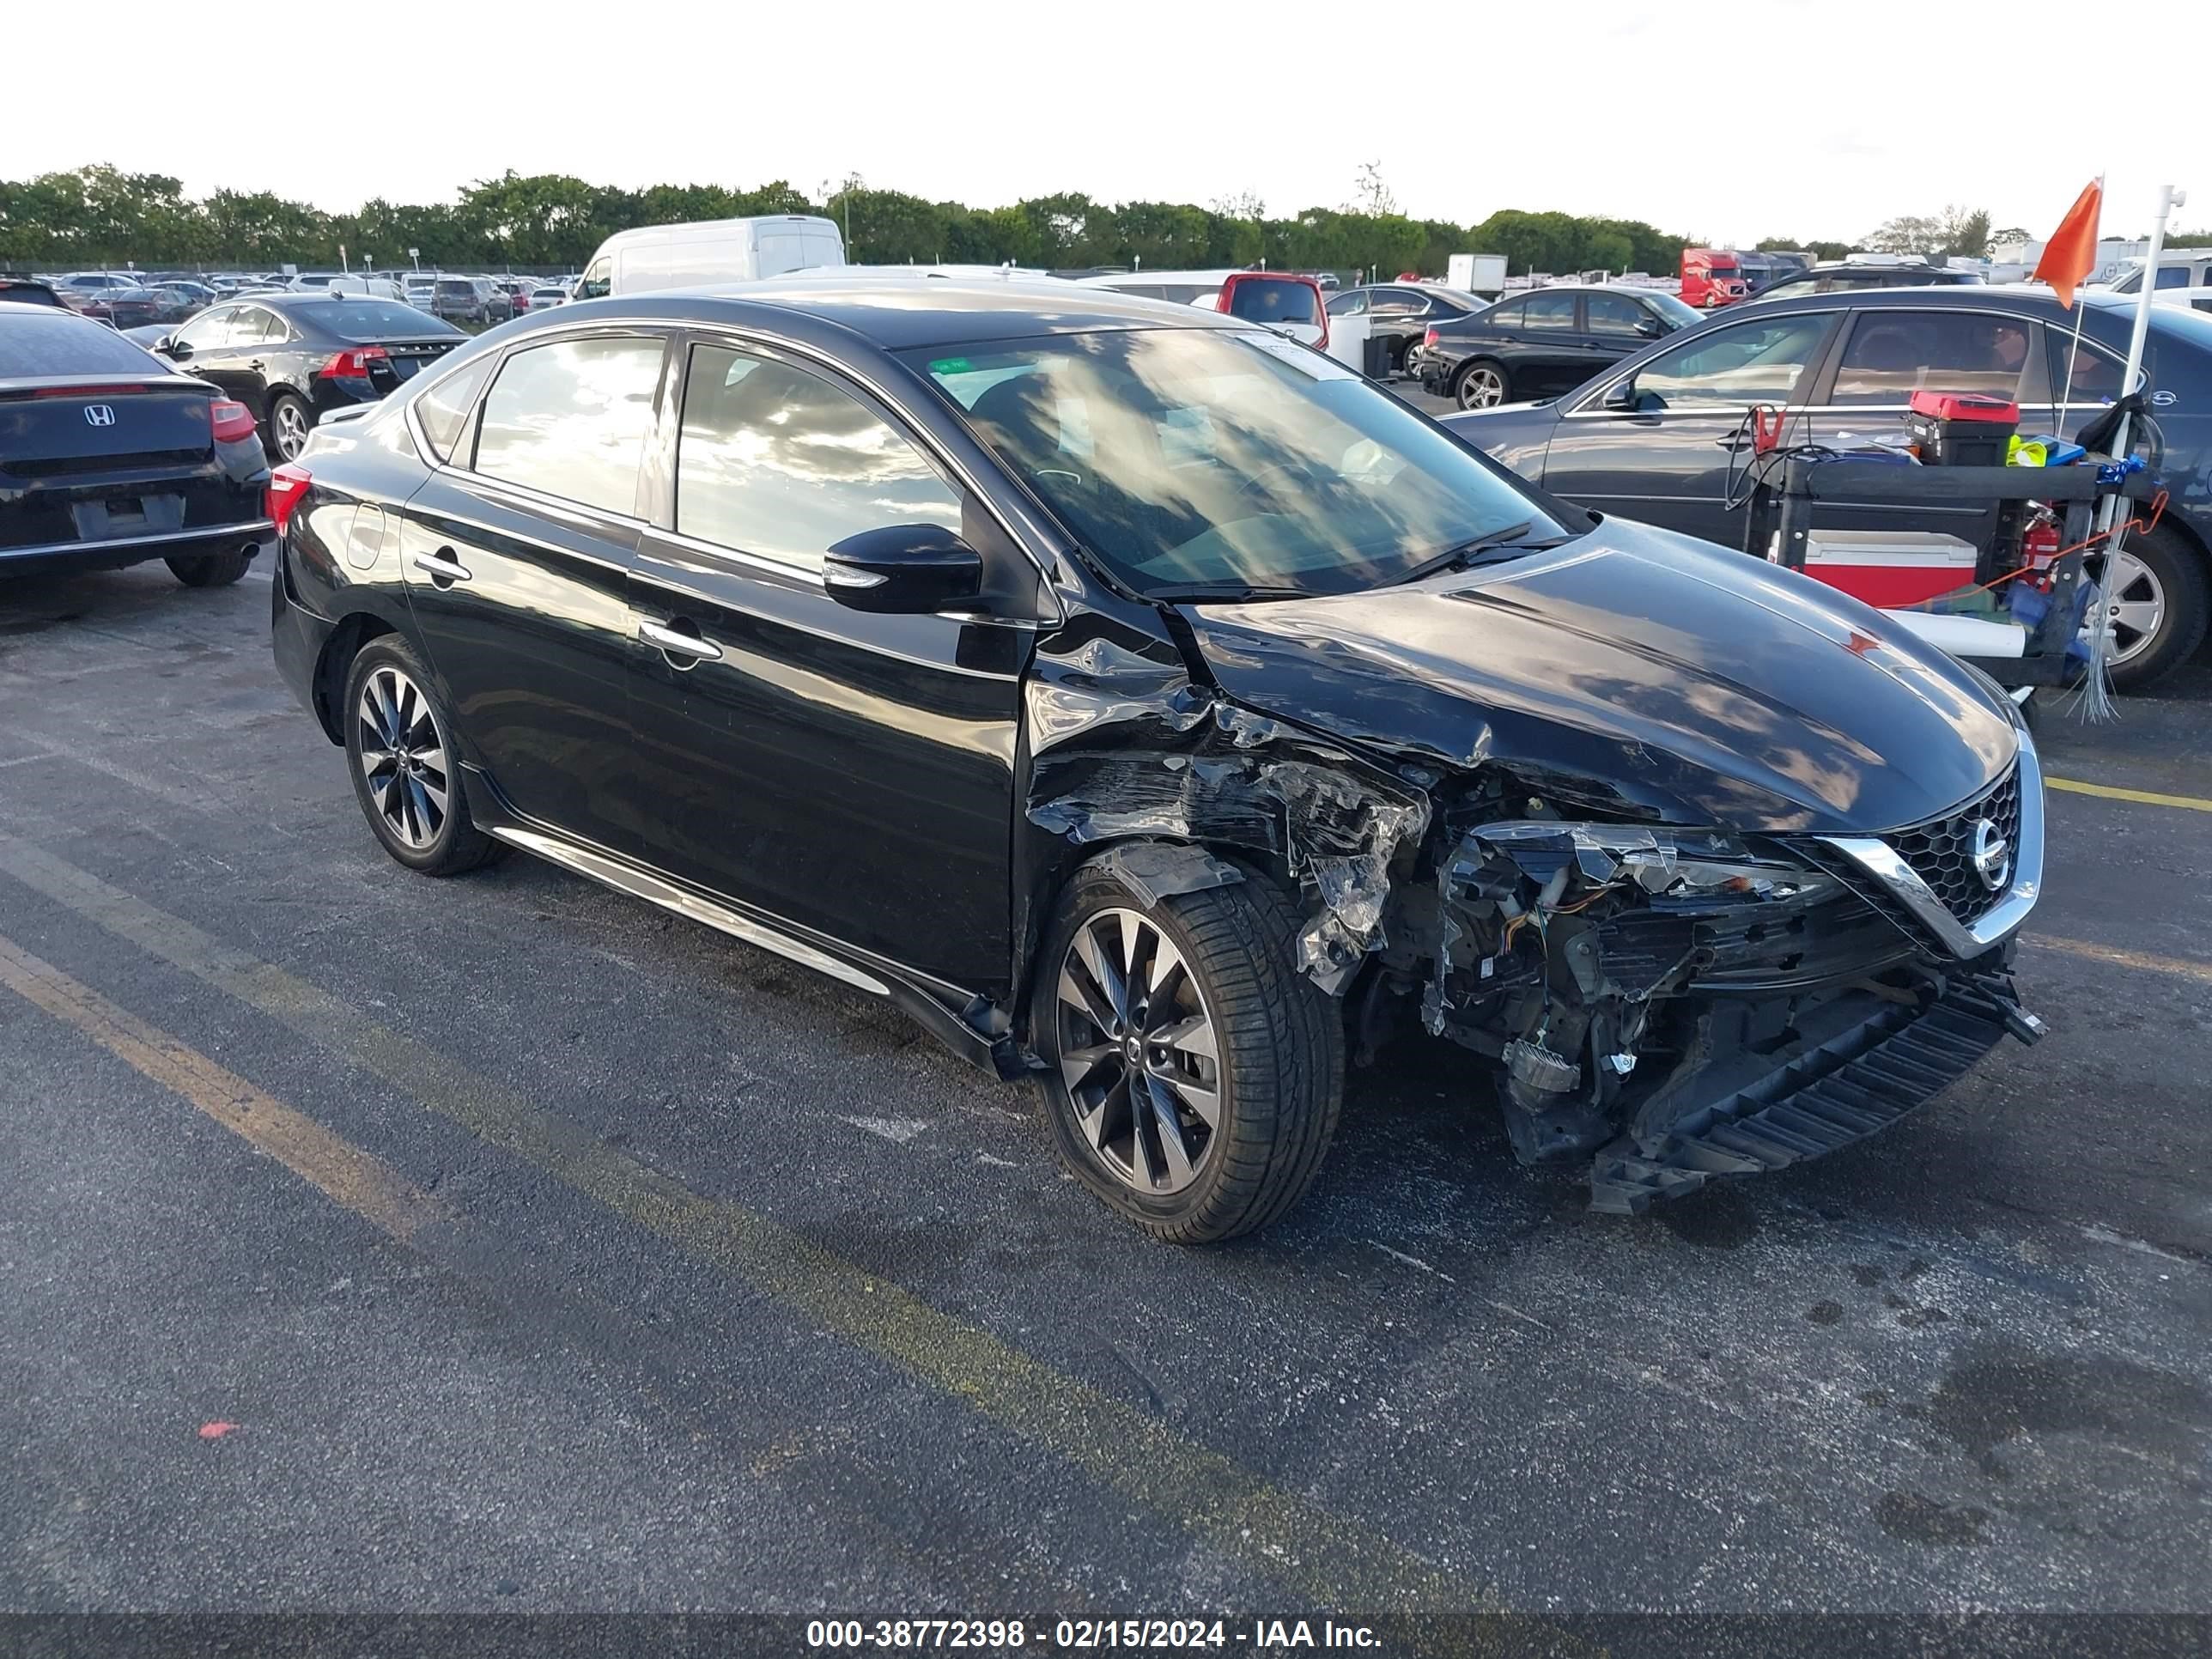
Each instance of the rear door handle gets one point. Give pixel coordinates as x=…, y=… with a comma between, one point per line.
x=442, y=566
x=678, y=644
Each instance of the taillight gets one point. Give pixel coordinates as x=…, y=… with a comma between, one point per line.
x=233, y=421
x=352, y=364
x=1429, y=334
x=287, y=488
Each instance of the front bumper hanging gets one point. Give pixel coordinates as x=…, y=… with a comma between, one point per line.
x=1853, y=1086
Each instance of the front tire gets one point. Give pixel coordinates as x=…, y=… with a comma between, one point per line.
x=210, y=569
x=406, y=775
x=2157, y=606
x=1193, y=1076
x=1482, y=384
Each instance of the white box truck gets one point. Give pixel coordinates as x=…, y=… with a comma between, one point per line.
x=1475, y=273
x=656, y=257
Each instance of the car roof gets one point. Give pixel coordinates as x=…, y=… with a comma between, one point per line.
x=898, y=312
x=2023, y=296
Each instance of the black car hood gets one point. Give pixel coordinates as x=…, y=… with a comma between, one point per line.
x=1633, y=670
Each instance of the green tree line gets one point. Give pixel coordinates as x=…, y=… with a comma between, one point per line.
x=99, y=215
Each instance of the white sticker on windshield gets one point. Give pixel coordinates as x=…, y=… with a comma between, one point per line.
x=1304, y=359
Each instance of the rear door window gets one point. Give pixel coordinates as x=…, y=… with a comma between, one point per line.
x=1762, y=362
x=1505, y=316
x=1891, y=354
x=1616, y=314
x=570, y=418
x=1549, y=310
x=782, y=465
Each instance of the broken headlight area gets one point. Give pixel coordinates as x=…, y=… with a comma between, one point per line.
x=1627, y=978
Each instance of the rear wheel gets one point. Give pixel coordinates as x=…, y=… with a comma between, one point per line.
x=210, y=569
x=290, y=420
x=1482, y=384
x=1193, y=1076
x=399, y=751
x=2153, y=597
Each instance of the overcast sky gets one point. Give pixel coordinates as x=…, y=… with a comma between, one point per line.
x=1777, y=118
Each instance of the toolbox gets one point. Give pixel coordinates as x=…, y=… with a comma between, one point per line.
x=1962, y=428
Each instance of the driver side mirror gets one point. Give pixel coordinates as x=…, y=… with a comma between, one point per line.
x=1623, y=395
x=1650, y=328
x=170, y=346
x=903, y=570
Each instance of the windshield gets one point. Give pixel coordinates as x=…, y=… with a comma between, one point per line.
x=1194, y=456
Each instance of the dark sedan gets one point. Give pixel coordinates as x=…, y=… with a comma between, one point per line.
x=293, y=358
x=1138, y=699
x=110, y=457
x=1402, y=312
x=1537, y=344
x=1661, y=437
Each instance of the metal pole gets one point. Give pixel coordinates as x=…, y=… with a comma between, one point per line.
x=2096, y=697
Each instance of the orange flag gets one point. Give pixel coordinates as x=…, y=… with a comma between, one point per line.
x=2071, y=252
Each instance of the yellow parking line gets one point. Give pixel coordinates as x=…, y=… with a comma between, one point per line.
x=362, y=1183
x=2113, y=792
x=2182, y=967
x=1333, y=1561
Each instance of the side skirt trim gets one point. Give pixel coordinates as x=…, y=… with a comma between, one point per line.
x=639, y=885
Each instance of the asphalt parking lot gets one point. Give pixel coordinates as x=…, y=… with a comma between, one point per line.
x=376, y=1243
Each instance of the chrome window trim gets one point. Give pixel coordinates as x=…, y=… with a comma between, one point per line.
x=1882, y=861
x=1583, y=407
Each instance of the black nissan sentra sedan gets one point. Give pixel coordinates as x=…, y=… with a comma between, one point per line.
x=1143, y=702
x=109, y=458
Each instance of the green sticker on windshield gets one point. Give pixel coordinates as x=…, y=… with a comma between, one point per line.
x=951, y=366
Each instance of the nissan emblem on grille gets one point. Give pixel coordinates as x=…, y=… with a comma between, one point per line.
x=1991, y=855
x=1965, y=858
x=99, y=415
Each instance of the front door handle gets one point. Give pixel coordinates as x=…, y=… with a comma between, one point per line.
x=442, y=566
x=257, y=365
x=677, y=643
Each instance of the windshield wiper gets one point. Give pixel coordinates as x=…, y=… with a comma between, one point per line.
x=1504, y=540
x=1231, y=591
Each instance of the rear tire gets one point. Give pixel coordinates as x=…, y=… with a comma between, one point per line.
x=1482, y=384
x=2158, y=567
x=290, y=420
x=1242, y=1028
x=406, y=774
x=208, y=569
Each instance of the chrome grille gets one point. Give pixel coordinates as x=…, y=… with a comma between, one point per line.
x=1941, y=851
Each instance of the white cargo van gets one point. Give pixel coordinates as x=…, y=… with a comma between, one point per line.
x=712, y=250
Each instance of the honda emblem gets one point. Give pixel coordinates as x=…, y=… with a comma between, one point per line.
x=100, y=414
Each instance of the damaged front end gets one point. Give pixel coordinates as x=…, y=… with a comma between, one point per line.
x=1687, y=1004
x=1673, y=1004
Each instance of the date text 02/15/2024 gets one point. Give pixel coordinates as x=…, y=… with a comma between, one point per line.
x=1007, y=1635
